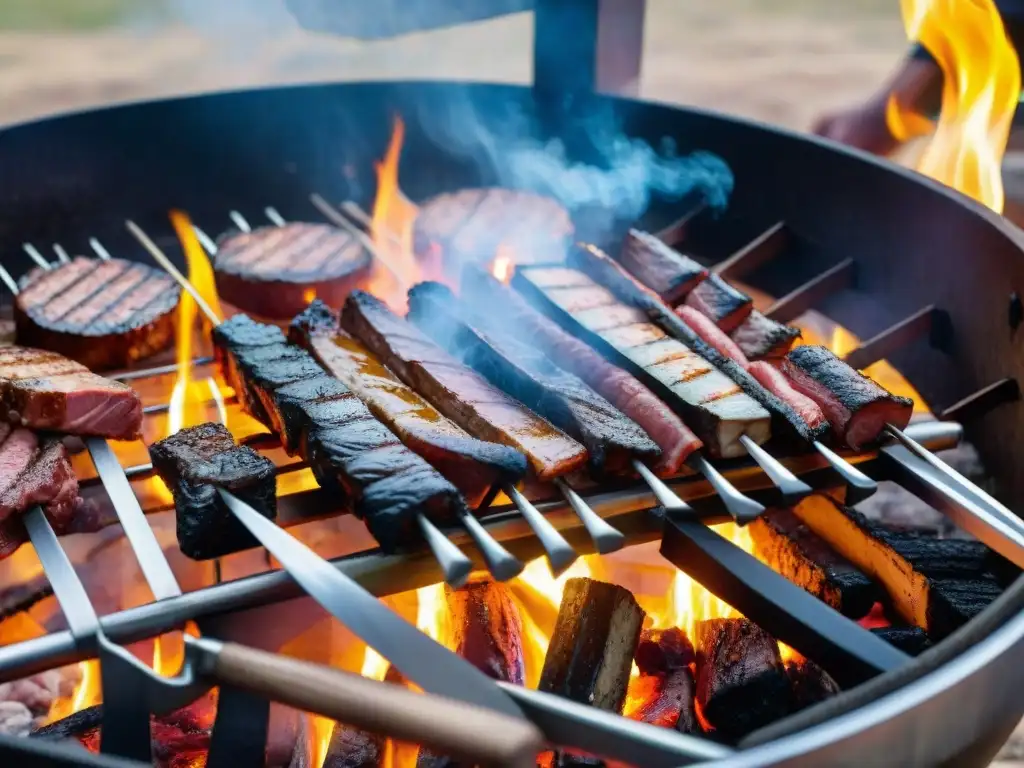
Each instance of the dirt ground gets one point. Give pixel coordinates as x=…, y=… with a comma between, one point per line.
x=780, y=61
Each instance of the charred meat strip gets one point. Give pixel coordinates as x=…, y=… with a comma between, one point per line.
x=760, y=337
x=103, y=314
x=712, y=405
x=197, y=461
x=717, y=300
x=272, y=270
x=712, y=335
x=524, y=373
x=775, y=381
x=664, y=270
x=473, y=466
x=856, y=406
x=46, y=391
x=786, y=422
x=350, y=452
x=622, y=389
x=459, y=393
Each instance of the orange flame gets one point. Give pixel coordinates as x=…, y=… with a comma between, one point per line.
x=503, y=263
x=981, y=89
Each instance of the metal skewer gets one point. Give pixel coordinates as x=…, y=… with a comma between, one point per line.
x=559, y=552
x=100, y=251
x=454, y=563
x=239, y=221
x=36, y=256
x=331, y=214
x=858, y=485
x=275, y=218
x=62, y=255
x=792, y=488
x=743, y=509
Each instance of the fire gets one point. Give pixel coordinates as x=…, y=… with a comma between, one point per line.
x=503, y=263
x=309, y=295
x=981, y=89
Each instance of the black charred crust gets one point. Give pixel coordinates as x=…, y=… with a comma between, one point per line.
x=853, y=389
x=913, y=641
x=606, y=272
x=316, y=320
x=527, y=375
x=670, y=273
x=954, y=602
x=195, y=463
x=721, y=299
x=769, y=337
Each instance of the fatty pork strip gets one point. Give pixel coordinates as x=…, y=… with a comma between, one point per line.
x=857, y=407
x=459, y=393
x=672, y=275
x=46, y=391
x=522, y=372
x=315, y=415
x=712, y=405
x=619, y=387
x=787, y=421
x=473, y=466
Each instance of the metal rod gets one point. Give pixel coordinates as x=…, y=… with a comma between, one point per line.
x=36, y=256
x=502, y=564
x=743, y=510
x=160, y=370
x=791, y=488
x=798, y=301
x=9, y=281
x=205, y=240
x=163, y=261
x=276, y=218
x=158, y=408
x=239, y=221
x=62, y=255
x=927, y=322
x=98, y=248
x=606, y=538
x=361, y=216
x=336, y=218
x=454, y=563
x=676, y=231
x=559, y=553
x=858, y=485
x=665, y=495
x=764, y=248
x=982, y=401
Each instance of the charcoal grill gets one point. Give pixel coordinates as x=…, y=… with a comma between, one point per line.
x=930, y=278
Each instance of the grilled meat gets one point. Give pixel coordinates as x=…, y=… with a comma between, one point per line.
x=786, y=421
x=272, y=270
x=521, y=371
x=459, y=393
x=473, y=466
x=712, y=334
x=717, y=410
x=856, y=406
x=103, y=314
x=775, y=381
x=716, y=299
x=475, y=224
x=664, y=270
x=45, y=391
x=761, y=337
x=672, y=436
x=316, y=416
x=197, y=461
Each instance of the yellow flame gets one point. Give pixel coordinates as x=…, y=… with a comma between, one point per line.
x=980, y=92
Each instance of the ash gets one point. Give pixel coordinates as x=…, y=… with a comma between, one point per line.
x=25, y=704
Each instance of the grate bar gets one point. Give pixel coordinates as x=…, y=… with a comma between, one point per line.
x=798, y=301
x=928, y=321
x=979, y=403
x=764, y=248
x=675, y=233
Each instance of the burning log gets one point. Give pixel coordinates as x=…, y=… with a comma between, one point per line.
x=791, y=548
x=354, y=748
x=591, y=652
x=935, y=584
x=487, y=629
x=913, y=641
x=664, y=692
x=809, y=683
x=72, y=726
x=742, y=683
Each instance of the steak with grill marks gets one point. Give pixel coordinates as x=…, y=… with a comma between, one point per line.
x=271, y=271
x=664, y=270
x=104, y=314
x=524, y=373
x=318, y=417
x=857, y=407
x=623, y=390
x=458, y=392
x=45, y=391
x=197, y=461
x=474, y=466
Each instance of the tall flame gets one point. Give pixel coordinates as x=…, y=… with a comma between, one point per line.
x=981, y=89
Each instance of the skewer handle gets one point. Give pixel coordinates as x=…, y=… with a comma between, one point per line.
x=454, y=564
x=665, y=495
x=858, y=485
x=560, y=554
x=606, y=539
x=742, y=509
x=475, y=735
x=789, y=485
x=502, y=564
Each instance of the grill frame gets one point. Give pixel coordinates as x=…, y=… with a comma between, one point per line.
x=882, y=723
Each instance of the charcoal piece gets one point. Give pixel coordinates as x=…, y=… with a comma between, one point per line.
x=1002, y=569
x=792, y=549
x=913, y=641
x=354, y=748
x=663, y=650
x=810, y=684
x=741, y=681
x=74, y=725
x=935, y=584
x=195, y=463
x=487, y=629
x=592, y=648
